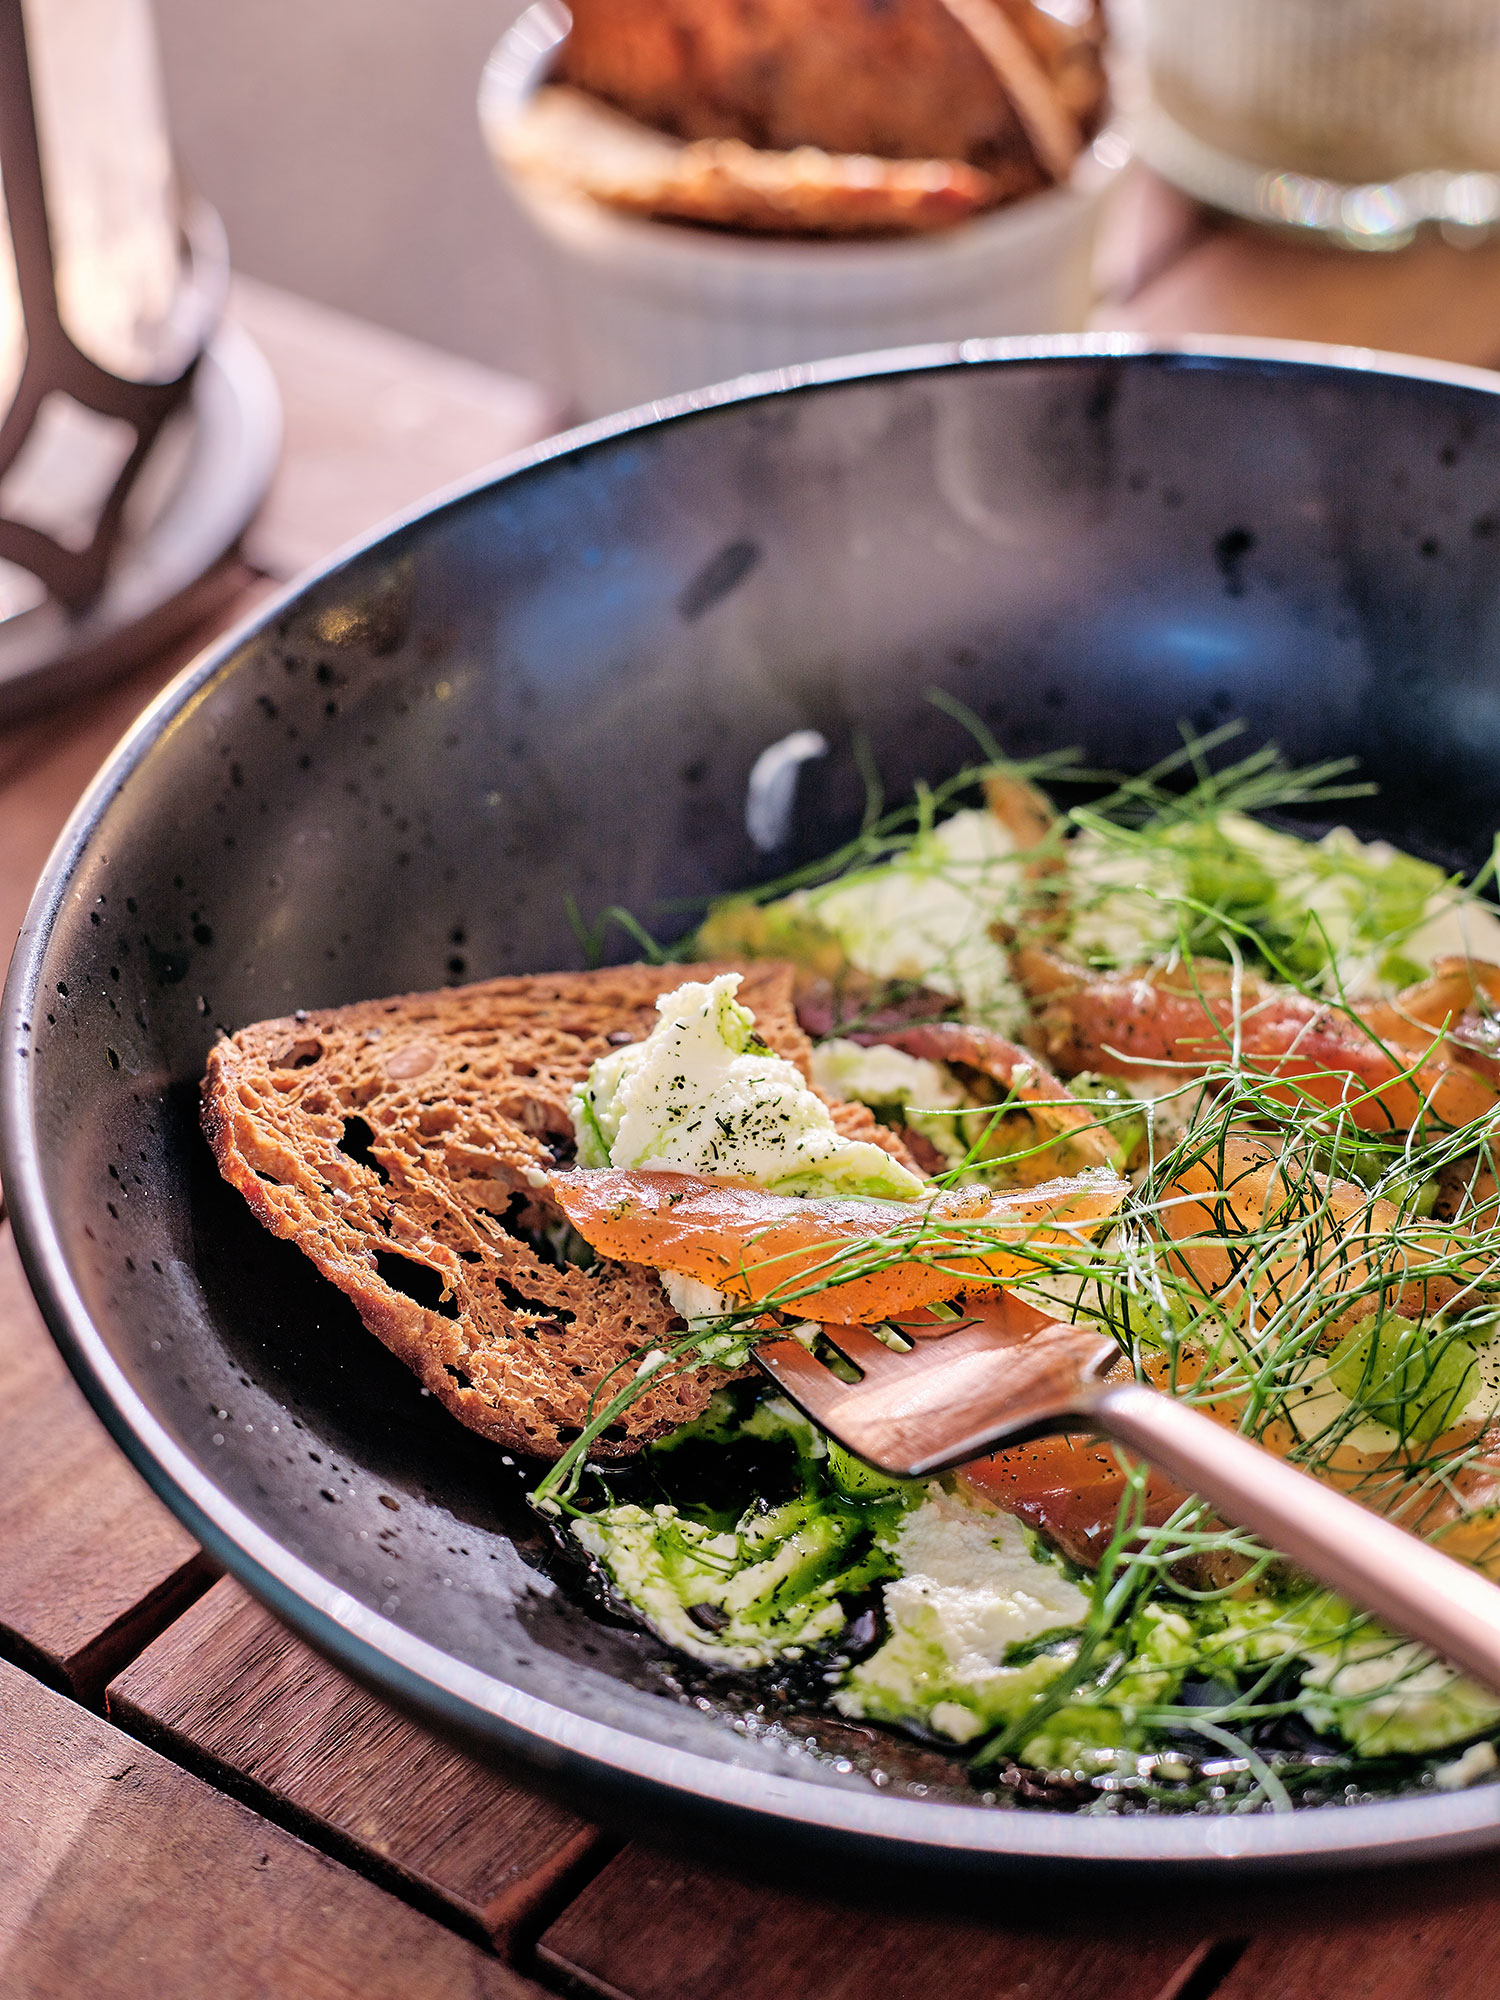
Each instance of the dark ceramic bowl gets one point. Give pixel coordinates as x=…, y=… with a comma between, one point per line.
x=555, y=684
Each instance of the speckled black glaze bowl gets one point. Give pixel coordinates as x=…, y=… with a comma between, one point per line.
x=555, y=683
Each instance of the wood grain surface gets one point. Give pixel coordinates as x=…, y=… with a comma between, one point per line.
x=231, y=1694
x=1430, y=298
x=647, y=1928
x=374, y=422
x=91, y=1564
x=47, y=761
x=1451, y=1953
x=126, y=1878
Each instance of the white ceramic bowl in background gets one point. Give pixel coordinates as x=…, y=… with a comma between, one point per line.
x=658, y=307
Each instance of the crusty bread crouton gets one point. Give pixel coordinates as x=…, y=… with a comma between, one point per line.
x=897, y=79
x=403, y=1145
x=568, y=139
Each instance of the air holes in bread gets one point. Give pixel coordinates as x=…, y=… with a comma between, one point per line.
x=358, y=1142
x=301, y=1054
x=482, y=1106
x=420, y=1282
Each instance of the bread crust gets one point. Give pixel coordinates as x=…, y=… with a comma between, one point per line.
x=568, y=139
x=902, y=80
x=403, y=1145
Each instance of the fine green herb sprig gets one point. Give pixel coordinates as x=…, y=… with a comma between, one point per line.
x=1265, y=781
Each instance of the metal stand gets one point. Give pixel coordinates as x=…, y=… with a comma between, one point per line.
x=197, y=494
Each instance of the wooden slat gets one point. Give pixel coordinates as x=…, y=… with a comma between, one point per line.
x=1429, y=299
x=127, y=1877
x=1447, y=1951
x=91, y=1564
x=1147, y=226
x=374, y=422
x=233, y=1695
x=46, y=762
x=651, y=1929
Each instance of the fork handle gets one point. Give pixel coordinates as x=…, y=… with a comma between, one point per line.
x=1406, y=1583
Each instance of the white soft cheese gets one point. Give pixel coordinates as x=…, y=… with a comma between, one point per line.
x=890, y=1079
x=1337, y=881
x=1317, y=1406
x=1329, y=880
x=977, y=1570
x=1307, y=873
x=1318, y=1410
x=694, y=1300
x=1476, y=1762
x=1454, y=926
x=926, y=917
x=1389, y=1695
x=882, y=1075
x=1124, y=897
x=661, y=1562
x=1382, y=1694
x=970, y=1590
x=703, y=1309
x=703, y=1095
x=1127, y=894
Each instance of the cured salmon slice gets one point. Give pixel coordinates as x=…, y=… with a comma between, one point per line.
x=1390, y=1070
x=1070, y=1491
x=837, y=1260
x=1061, y=1132
x=1252, y=1222
x=1459, y=1002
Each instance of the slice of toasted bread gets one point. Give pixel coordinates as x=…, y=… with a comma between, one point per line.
x=404, y=1144
x=568, y=139
x=904, y=80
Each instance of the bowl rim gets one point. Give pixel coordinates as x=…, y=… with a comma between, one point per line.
x=873, y=1826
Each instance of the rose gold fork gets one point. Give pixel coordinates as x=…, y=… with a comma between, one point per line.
x=1006, y=1373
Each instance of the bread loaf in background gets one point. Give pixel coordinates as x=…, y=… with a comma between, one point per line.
x=897, y=79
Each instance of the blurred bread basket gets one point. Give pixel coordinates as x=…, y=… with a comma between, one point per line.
x=696, y=238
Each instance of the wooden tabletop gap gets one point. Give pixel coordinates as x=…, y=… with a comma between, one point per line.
x=523, y=1913
x=1206, y=1971
x=233, y=1697
x=84, y=1675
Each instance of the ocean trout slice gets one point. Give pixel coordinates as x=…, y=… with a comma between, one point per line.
x=1248, y=1220
x=1068, y=1135
x=835, y=1260
x=1070, y=1489
x=1459, y=1001
x=1388, y=1070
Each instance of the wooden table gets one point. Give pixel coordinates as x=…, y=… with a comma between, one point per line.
x=193, y=1804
